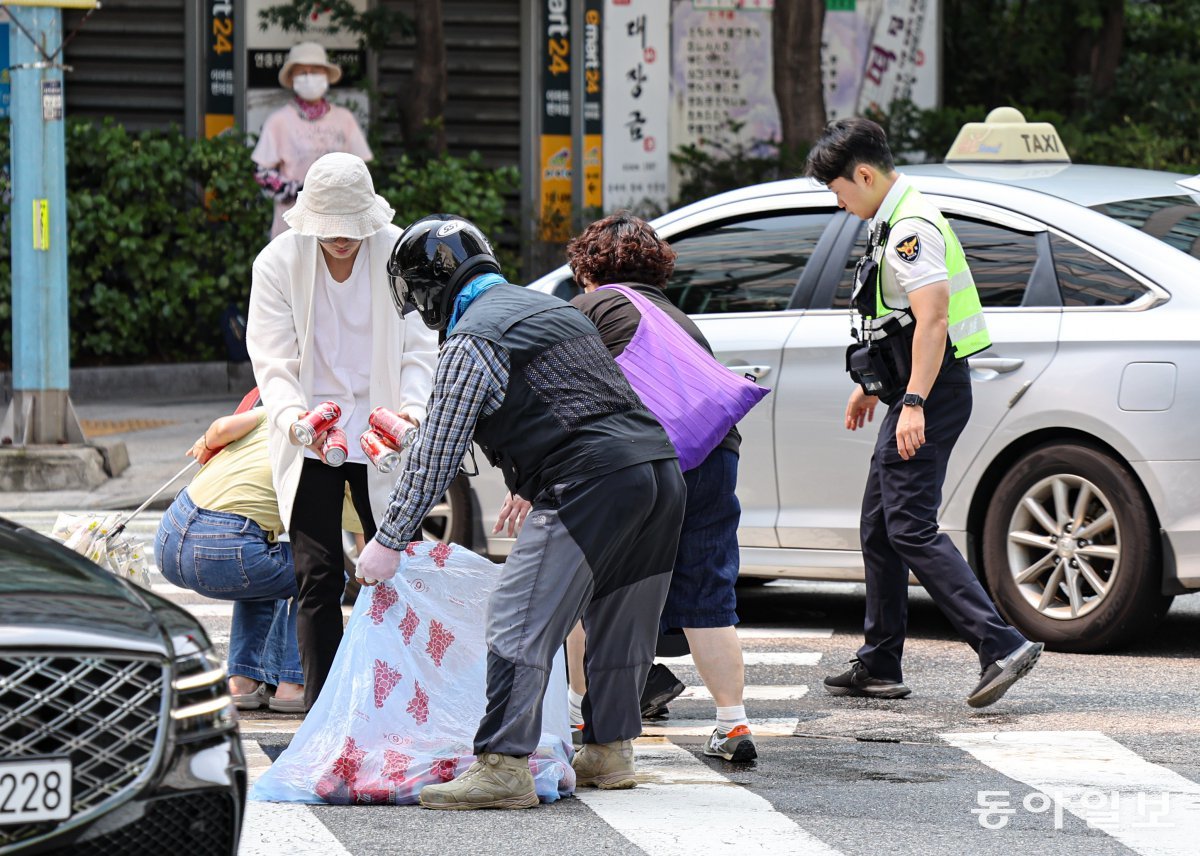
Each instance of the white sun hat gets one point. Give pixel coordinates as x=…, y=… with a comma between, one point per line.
x=339, y=200
x=307, y=53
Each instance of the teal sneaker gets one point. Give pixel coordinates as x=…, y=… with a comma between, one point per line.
x=736, y=745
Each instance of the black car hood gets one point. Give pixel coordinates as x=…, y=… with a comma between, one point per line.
x=50, y=596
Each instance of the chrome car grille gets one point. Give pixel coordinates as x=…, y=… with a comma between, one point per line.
x=104, y=712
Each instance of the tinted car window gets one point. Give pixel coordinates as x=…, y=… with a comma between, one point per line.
x=1174, y=220
x=746, y=265
x=1085, y=279
x=1001, y=261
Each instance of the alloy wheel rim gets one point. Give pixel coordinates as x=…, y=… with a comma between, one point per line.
x=1064, y=546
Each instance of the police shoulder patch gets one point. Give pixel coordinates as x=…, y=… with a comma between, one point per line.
x=909, y=249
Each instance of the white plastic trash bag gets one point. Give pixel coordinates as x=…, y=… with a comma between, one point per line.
x=407, y=690
x=89, y=535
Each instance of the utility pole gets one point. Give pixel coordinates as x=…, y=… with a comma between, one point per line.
x=41, y=411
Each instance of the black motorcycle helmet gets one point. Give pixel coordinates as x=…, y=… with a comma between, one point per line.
x=431, y=262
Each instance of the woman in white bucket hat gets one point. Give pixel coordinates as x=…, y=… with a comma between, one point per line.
x=322, y=328
x=309, y=126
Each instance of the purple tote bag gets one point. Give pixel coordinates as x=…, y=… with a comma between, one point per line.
x=695, y=398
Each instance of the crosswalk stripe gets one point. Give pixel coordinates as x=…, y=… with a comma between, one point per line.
x=672, y=811
x=1150, y=809
x=752, y=692
x=784, y=632
x=756, y=658
x=272, y=828
x=784, y=726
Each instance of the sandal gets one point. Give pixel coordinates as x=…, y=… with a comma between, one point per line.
x=250, y=701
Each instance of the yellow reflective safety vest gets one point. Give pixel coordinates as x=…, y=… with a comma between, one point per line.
x=966, y=326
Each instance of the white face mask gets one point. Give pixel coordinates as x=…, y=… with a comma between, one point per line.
x=310, y=87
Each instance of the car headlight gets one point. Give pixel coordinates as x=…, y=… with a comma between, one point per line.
x=200, y=703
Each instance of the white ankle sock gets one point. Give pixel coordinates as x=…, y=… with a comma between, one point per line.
x=575, y=702
x=729, y=718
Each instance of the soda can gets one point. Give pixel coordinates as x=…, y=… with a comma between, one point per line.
x=397, y=431
x=322, y=417
x=336, y=447
x=378, y=452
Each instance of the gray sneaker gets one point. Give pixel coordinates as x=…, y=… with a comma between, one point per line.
x=995, y=680
x=736, y=745
x=494, y=781
x=608, y=766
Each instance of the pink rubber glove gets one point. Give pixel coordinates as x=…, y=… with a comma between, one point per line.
x=377, y=562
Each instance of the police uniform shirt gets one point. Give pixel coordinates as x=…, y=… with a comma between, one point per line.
x=916, y=252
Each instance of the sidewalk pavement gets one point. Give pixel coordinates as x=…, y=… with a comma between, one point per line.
x=156, y=447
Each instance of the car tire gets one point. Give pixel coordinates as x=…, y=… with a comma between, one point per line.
x=449, y=521
x=1084, y=594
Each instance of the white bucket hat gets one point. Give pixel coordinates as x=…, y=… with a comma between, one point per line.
x=339, y=200
x=307, y=53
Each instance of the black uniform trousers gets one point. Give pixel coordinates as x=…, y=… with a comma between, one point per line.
x=316, y=534
x=899, y=531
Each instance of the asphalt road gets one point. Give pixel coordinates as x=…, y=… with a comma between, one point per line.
x=1088, y=755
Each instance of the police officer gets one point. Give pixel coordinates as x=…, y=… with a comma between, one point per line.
x=921, y=320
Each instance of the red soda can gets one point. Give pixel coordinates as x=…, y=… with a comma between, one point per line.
x=336, y=447
x=378, y=451
x=322, y=417
x=397, y=431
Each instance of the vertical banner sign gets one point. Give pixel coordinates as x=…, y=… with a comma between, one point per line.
x=593, y=104
x=266, y=52
x=722, y=74
x=637, y=67
x=556, y=122
x=218, y=67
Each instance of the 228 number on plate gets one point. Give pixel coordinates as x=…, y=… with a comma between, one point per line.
x=35, y=790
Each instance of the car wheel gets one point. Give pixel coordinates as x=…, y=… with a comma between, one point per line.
x=1070, y=552
x=449, y=520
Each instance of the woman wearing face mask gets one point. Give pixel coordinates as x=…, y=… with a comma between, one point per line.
x=295, y=135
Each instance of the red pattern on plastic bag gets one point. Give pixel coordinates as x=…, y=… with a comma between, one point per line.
x=395, y=765
x=444, y=768
x=409, y=625
x=386, y=679
x=439, y=640
x=419, y=706
x=440, y=553
x=347, y=764
x=411, y=547
x=383, y=598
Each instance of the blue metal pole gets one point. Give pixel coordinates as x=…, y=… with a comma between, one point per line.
x=41, y=352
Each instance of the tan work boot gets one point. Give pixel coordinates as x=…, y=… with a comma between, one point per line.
x=605, y=765
x=494, y=781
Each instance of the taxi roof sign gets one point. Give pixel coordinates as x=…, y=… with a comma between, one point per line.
x=1005, y=137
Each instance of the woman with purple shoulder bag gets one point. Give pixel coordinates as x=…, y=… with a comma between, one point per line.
x=622, y=265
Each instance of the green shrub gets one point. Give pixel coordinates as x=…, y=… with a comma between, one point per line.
x=726, y=163
x=450, y=185
x=163, y=231
x=151, y=267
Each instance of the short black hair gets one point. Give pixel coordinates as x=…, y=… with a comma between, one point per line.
x=845, y=144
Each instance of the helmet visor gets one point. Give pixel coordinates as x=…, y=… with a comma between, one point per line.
x=401, y=296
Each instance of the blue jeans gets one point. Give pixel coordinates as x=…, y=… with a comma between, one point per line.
x=228, y=557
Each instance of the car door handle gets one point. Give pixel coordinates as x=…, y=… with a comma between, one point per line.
x=758, y=372
x=997, y=364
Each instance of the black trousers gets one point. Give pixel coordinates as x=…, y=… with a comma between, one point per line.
x=316, y=535
x=899, y=531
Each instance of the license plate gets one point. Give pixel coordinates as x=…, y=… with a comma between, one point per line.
x=35, y=790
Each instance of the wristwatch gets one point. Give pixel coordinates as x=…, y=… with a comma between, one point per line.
x=911, y=399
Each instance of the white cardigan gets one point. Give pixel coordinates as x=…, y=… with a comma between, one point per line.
x=279, y=336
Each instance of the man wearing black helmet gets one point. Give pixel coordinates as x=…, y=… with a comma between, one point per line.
x=527, y=377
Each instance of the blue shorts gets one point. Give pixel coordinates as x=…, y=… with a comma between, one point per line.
x=706, y=565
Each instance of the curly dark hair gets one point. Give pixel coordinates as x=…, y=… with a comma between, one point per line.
x=621, y=248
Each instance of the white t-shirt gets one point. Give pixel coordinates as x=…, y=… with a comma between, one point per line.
x=342, y=348
x=915, y=255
